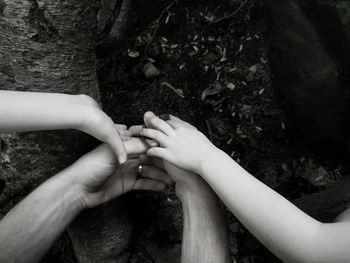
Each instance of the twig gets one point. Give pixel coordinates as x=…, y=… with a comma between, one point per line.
x=230, y=15
x=166, y=9
x=179, y=92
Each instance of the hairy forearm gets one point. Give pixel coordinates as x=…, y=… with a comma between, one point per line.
x=29, y=111
x=205, y=234
x=30, y=229
x=278, y=224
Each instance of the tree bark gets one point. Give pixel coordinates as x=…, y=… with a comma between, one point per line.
x=311, y=65
x=49, y=46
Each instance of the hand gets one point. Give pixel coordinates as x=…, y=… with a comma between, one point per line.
x=98, y=124
x=185, y=181
x=180, y=143
x=101, y=178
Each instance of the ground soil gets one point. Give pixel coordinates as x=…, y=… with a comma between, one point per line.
x=208, y=64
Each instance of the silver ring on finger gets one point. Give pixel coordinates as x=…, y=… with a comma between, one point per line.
x=139, y=171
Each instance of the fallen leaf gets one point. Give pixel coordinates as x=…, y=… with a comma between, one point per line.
x=230, y=86
x=133, y=54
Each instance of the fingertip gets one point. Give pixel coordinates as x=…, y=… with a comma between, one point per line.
x=135, y=130
x=121, y=126
x=122, y=159
x=152, y=143
x=150, y=152
x=121, y=154
x=148, y=114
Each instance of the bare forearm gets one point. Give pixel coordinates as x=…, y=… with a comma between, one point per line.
x=29, y=111
x=205, y=234
x=279, y=225
x=30, y=229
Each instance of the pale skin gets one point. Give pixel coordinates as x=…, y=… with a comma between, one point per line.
x=289, y=233
x=34, y=111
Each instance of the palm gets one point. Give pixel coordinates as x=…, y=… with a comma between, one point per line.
x=103, y=178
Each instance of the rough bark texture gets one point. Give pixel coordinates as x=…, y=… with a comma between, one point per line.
x=49, y=46
x=310, y=62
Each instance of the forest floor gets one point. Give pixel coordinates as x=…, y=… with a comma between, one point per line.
x=207, y=63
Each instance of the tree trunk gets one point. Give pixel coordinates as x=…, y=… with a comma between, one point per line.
x=49, y=46
x=310, y=61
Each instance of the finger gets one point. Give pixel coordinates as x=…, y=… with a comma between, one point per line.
x=176, y=123
x=164, y=116
x=125, y=133
x=118, y=147
x=121, y=127
x=145, y=159
x=153, y=121
x=156, y=135
x=136, y=130
x=149, y=184
x=155, y=173
x=138, y=146
x=161, y=153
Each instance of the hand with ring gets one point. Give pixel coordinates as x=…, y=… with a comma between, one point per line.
x=101, y=178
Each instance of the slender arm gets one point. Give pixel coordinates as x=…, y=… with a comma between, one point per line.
x=30, y=111
x=29, y=230
x=283, y=228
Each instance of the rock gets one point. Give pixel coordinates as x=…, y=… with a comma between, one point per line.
x=150, y=70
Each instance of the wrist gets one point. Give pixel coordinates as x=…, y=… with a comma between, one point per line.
x=87, y=115
x=209, y=157
x=76, y=110
x=67, y=188
x=193, y=188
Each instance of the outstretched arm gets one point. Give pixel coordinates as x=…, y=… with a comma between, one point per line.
x=31, y=111
x=30, y=229
x=287, y=231
x=283, y=228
